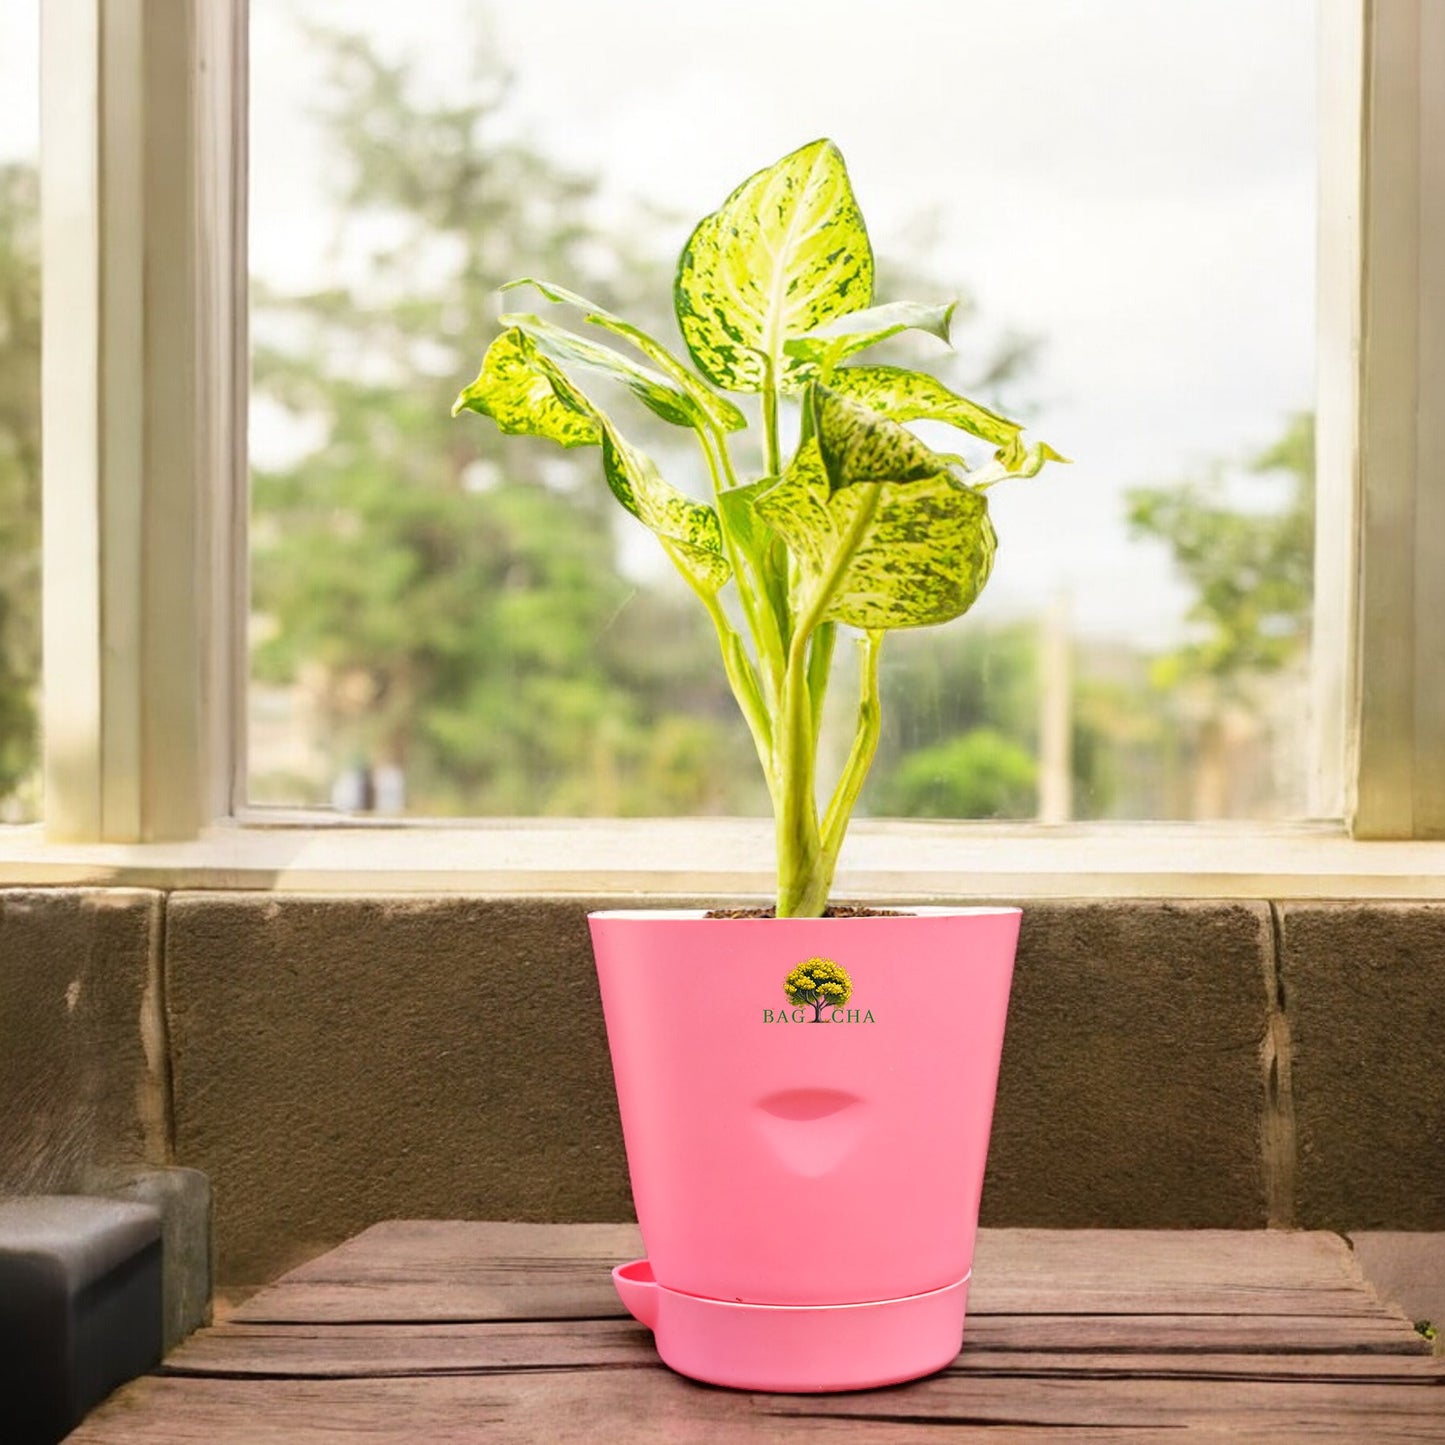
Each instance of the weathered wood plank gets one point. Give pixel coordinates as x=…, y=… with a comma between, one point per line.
x=342, y=1350
x=1002, y=1345
x=430, y=1331
x=651, y=1405
x=438, y=1270
x=455, y=1270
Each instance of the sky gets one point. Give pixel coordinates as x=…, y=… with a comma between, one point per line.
x=1134, y=182
x=19, y=79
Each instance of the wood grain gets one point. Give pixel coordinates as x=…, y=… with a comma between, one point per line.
x=652, y=1405
x=446, y=1270
x=423, y=1331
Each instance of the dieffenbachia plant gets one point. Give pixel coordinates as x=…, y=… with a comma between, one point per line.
x=860, y=525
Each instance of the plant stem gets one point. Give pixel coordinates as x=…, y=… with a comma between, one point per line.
x=744, y=683
x=772, y=450
x=802, y=887
x=714, y=448
x=720, y=447
x=820, y=668
x=805, y=873
x=860, y=756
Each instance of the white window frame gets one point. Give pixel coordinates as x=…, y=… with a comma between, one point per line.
x=144, y=400
x=145, y=367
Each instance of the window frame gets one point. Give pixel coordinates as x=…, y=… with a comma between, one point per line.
x=143, y=165
x=145, y=567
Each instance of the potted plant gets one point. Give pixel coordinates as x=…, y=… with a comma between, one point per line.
x=806, y=1097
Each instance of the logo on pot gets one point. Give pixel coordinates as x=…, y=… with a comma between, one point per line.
x=824, y=987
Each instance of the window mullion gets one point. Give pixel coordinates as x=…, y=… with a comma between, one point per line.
x=141, y=197
x=1333, y=670
x=1400, y=783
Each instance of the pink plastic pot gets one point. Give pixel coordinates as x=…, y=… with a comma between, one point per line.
x=806, y=1176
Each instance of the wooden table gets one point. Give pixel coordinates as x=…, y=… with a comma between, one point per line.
x=426, y=1331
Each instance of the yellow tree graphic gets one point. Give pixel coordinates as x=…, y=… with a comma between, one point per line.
x=818, y=982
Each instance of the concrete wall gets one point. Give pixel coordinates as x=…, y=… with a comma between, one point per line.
x=82, y=1047
x=331, y=1061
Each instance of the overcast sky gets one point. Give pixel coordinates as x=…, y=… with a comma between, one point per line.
x=1132, y=180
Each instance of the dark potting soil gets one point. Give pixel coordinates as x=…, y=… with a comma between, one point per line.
x=842, y=910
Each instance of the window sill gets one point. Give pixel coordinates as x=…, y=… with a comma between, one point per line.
x=686, y=858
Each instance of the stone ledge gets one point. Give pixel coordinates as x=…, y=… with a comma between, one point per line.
x=341, y=1061
x=344, y=1060
x=1131, y=1092
x=83, y=1083
x=1364, y=987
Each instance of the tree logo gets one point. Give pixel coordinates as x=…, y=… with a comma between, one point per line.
x=823, y=986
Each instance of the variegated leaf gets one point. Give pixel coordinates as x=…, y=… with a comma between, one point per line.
x=754, y=539
x=719, y=408
x=526, y=395
x=904, y=395
x=1029, y=461
x=924, y=559
x=840, y=339
x=688, y=530
x=1015, y=463
x=738, y=506
x=860, y=445
x=923, y=556
x=795, y=505
x=786, y=253
x=661, y=396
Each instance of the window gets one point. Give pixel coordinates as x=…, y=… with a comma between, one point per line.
x=447, y=622
x=144, y=722
x=19, y=411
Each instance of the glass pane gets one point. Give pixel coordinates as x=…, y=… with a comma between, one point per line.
x=451, y=622
x=19, y=410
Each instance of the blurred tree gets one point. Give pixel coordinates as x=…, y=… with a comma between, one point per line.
x=447, y=614
x=982, y=773
x=961, y=728
x=1250, y=563
x=19, y=488
x=447, y=608
x=1251, y=567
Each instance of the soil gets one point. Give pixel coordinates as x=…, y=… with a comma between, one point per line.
x=842, y=910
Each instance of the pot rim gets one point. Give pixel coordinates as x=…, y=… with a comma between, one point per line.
x=700, y=915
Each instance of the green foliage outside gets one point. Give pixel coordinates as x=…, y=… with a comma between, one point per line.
x=961, y=730
x=436, y=600
x=1251, y=569
x=436, y=608
x=1249, y=563
x=818, y=983
x=19, y=490
x=979, y=774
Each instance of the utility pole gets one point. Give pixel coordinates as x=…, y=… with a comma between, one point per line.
x=1056, y=714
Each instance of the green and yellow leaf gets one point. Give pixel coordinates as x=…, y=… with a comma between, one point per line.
x=904, y=395
x=1015, y=463
x=689, y=531
x=828, y=345
x=660, y=395
x=922, y=555
x=860, y=445
x=754, y=541
x=719, y=408
x=526, y=395
x=786, y=253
